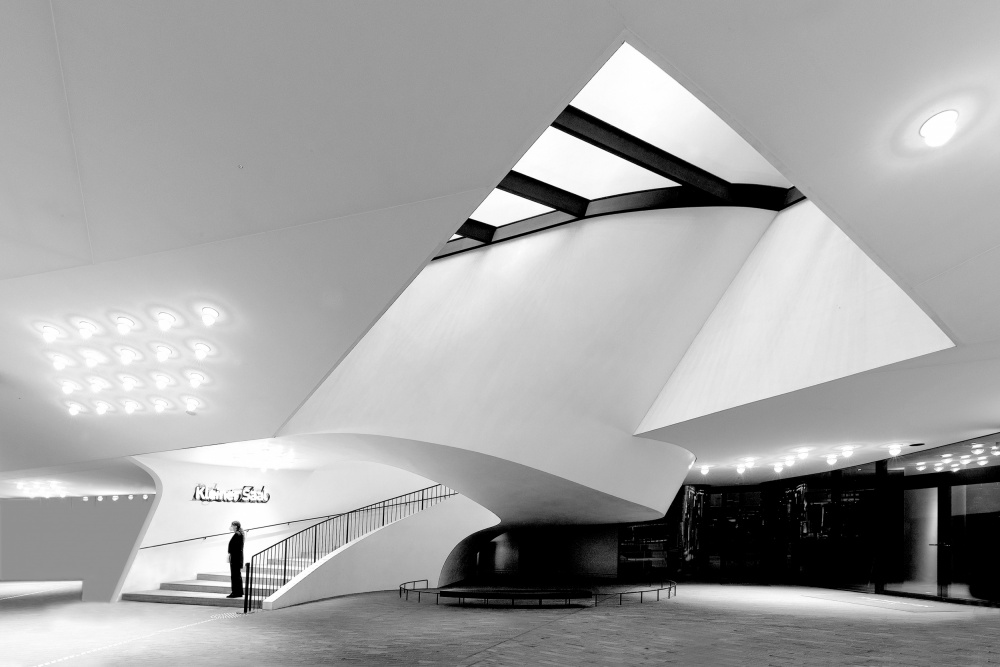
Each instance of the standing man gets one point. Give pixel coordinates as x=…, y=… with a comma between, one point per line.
x=236, y=559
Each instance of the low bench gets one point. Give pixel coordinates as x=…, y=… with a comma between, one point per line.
x=513, y=594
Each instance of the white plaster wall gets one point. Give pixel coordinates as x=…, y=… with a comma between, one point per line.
x=546, y=350
x=413, y=548
x=67, y=539
x=295, y=494
x=807, y=307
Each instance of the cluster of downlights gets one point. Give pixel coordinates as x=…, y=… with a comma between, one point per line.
x=801, y=453
x=129, y=356
x=53, y=488
x=955, y=462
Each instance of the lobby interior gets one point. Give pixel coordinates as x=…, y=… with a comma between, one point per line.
x=598, y=295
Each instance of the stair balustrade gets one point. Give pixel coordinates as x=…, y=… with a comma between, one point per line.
x=273, y=567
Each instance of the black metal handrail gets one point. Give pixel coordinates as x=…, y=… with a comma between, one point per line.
x=245, y=530
x=273, y=567
x=669, y=586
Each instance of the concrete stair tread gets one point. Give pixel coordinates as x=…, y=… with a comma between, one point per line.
x=184, y=597
x=200, y=585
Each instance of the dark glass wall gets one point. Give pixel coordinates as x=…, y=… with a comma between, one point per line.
x=925, y=523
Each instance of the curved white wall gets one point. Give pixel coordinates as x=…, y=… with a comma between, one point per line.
x=295, y=494
x=546, y=350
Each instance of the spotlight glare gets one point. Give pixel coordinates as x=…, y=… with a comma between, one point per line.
x=86, y=329
x=85, y=499
x=163, y=353
x=114, y=498
x=128, y=383
x=130, y=407
x=90, y=360
x=145, y=496
x=982, y=463
x=921, y=468
x=939, y=128
x=803, y=455
x=192, y=404
x=58, y=362
x=201, y=350
x=100, y=498
x=778, y=467
x=124, y=325
x=740, y=469
x=130, y=496
x=196, y=379
x=704, y=470
x=162, y=381
x=49, y=334
x=831, y=459
x=102, y=408
x=159, y=405
x=127, y=356
x=67, y=387
x=74, y=410
x=209, y=316
x=847, y=452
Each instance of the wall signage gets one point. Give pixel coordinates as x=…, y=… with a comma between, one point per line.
x=247, y=494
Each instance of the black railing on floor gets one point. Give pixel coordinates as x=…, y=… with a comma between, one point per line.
x=275, y=566
x=669, y=586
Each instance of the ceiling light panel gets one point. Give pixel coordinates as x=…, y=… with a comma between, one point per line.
x=574, y=165
x=633, y=94
x=502, y=208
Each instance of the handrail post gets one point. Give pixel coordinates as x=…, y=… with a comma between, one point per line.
x=422, y=491
x=246, y=589
x=315, y=538
x=347, y=528
x=284, y=571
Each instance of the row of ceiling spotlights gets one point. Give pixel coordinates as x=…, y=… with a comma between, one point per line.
x=164, y=320
x=191, y=405
x=894, y=450
x=802, y=453
x=129, y=383
x=145, y=496
x=127, y=355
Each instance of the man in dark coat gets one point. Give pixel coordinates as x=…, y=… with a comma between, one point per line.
x=236, y=559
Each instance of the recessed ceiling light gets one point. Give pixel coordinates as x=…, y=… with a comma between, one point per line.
x=163, y=353
x=86, y=329
x=74, y=409
x=209, y=316
x=124, y=325
x=921, y=468
x=201, y=350
x=68, y=387
x=49, y=334
x=192, y=404
x=704, y=470
x=847, y=451
x=129, y=383
x=90, y=359
x=127, y=356
x=165, y=321
x=982, y=463
x=102, y=407
x=58, y=362
x=162, y=381
x=778, y=467
x=894, y=450
x=939, y=128
x=831, y=459
x=159, y=405
x=130, y=407
x=196, y=379
x=740, y=469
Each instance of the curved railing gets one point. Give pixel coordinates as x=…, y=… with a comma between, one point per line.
x=275, y=566
x=669, y=586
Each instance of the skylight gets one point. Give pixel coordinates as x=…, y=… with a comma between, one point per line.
x=502, y=208
x=632, y=93
x=574, y=165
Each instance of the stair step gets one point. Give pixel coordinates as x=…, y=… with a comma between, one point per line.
x=200, y=586
x=184, y=597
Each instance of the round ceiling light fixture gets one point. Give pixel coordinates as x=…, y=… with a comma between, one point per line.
x=895, y=450
x=778, y=467
x=86, y=329
x=209, y=316
x=192, y=405
x=159, y=404
x=68, y=387
x=163, y=353
x=124, y=325
x=165, y=321
x=201, y=350
x=130, y=407
x=196, y=379
x=939, y=128
x=162, y=381
x=58, y=362
x=831, y=459
x=102, y=407
x=90, y=359
x=49, y=334
x=74, y=409
x=127, y=356
x=704, y=470
x=740, y=469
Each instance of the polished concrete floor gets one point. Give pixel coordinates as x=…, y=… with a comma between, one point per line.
x=42, y=624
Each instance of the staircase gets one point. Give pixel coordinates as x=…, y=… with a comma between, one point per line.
x=209, y=588
x=280, y=563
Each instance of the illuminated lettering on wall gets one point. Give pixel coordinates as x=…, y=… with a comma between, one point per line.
x=248, y=494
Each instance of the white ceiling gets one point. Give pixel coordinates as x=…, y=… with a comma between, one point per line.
x=125, y=125
x=92, y=478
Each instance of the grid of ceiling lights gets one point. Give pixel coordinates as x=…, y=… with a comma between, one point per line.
x=55, y=489
x=107, y=358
